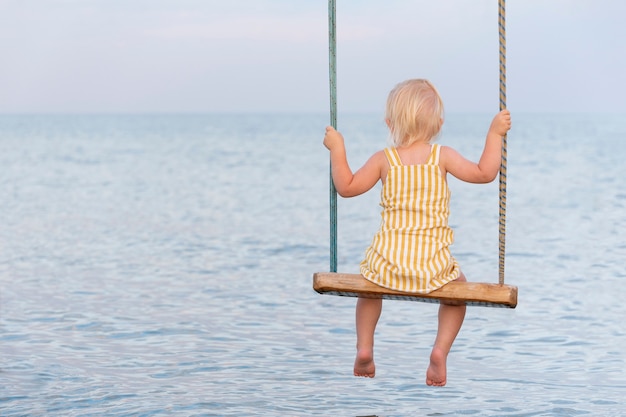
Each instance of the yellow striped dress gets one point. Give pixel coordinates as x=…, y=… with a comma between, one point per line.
x=411, y=252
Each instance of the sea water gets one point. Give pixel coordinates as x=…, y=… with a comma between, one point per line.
x=161, y=265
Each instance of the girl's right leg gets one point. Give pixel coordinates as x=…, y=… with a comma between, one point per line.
x=451, y=318
x=367, y=314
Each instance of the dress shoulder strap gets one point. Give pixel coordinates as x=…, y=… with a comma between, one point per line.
x=393, y=157
x=433, y=159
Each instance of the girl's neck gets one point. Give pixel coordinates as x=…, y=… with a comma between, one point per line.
x=415, y=154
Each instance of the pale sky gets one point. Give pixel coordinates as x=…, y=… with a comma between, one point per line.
x=93, y=56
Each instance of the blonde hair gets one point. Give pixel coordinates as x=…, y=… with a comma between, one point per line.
x=414, y=112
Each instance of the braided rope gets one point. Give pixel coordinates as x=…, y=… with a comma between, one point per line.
x=412, y=297
x=502, y=211
x=332, y=58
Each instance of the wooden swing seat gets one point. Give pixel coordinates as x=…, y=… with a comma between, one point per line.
x=470, y=293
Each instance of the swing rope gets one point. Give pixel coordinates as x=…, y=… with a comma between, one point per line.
x=502, y=211
x=332, y=59
x=332, y=42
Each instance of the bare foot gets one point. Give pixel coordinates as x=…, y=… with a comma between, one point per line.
x=436, y=373
x=364, y=364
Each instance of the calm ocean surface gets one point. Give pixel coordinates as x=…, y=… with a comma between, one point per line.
x=162, y=266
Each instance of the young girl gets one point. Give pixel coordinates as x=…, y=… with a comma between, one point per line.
x=411, y=252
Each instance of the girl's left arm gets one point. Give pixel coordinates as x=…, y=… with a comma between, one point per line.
x=350, y=184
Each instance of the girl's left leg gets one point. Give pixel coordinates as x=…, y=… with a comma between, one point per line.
x=367, y=315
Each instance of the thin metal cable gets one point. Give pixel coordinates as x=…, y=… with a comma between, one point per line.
x=502, y=211
x=332, y=59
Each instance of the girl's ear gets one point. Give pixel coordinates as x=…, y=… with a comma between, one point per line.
x=388, y=124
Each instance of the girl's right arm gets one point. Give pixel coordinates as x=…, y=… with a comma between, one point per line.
x=347, y=183
x=487, y=168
